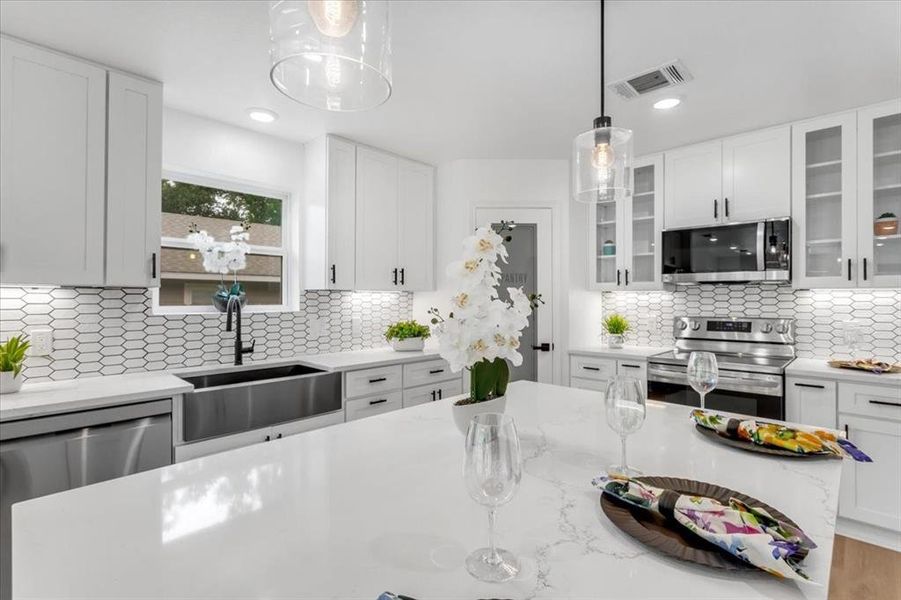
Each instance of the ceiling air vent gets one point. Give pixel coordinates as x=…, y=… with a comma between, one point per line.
x=667, y=75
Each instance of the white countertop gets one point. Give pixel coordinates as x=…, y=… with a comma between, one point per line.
x=52, y=397
x=627, y=352
x=817, y=368
x=379, y=504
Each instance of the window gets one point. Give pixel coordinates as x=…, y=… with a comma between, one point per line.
x=216, y=206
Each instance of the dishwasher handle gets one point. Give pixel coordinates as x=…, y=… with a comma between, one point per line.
x=86, y=418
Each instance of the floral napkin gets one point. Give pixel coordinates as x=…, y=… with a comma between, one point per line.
x=774, y=435
x=743, y=531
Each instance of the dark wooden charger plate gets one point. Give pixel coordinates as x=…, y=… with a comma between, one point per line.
x=654, y=531
x=752, y=447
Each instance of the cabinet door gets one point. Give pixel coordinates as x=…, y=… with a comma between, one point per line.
x=811, y=402
x=416, y=226
x=341, y=165
x=693, y=185
x=420, y=395
x=374, y=405
x=52, y=152
x=606, y=242
x=871, y=492
x=824, y=201
x=134, y=172
x=643, y=223
x=377, y=221
x=878, y=194
x=757, y=175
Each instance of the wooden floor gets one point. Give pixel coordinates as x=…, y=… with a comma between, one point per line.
x=864, y=572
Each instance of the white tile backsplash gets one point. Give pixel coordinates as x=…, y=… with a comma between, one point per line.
x=818, y=313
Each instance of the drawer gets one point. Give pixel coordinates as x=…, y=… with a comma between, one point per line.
x=589, y=367
x=368, y=382
x=881, y=401
x=588, y=384
x=431, y=393
x=360, y=408
x=430, y=371
x=633, y=368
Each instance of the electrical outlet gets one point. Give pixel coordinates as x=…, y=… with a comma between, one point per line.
x=314, y=326
x=356, y=327
x=41, y=341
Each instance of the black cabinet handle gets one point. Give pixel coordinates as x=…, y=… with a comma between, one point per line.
x=440, y=391
x=374, y=402
x=631, y=366
x=847, y=435
x=617, y=277
x=811, y=385
x=716, y=209
x=436, y=371
x=544, y=347
x=864, y=269
x=334, y=276
x=849, y=269
x=153, y=265
x=278, y=437
x=395, y=276
x=402, y=278
x=268, y=438
x=591, y=368
x=627, y=276
x=726, y=202
x=433, y=395
x=378, y=380
x=885, y=403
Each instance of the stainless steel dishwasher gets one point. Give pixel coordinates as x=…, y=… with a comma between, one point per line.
x=52, y=454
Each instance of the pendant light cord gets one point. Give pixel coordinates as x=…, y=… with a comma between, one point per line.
x=602, y=57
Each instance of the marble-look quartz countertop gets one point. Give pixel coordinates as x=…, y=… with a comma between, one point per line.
x=626, y=352
x=54, y=397
x=819, y=368
x=379, y=504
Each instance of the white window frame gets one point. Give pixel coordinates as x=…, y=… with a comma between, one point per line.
x=288, y=250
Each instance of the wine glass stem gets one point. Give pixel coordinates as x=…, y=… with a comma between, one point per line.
x=622, y=439
x=703, y=402
x=493, y=557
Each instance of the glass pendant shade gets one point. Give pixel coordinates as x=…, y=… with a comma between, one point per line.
x=602, y=163
x=331, y=54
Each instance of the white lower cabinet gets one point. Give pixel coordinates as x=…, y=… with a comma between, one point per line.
x=594, y=372
x=810, y=402
x=360, y=408
x=598, y=385
x=431, y=393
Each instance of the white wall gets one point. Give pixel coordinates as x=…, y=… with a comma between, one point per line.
x=464, y=185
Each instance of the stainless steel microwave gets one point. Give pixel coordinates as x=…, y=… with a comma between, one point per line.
x=736, y=252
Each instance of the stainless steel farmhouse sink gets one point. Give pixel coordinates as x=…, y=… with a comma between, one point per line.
x=230, y=402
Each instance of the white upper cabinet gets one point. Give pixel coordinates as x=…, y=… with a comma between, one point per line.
x=879, y=195
x=377, y=221
x=824, y=201
x=416, y=225
x=693, y=187
x=330, y=214
x=134, y=173
x=52, y=152
x=757, y=176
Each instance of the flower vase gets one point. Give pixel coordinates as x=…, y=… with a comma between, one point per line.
x=463, y=413
x=10, y=383
x=408, y=344
x=614, y=341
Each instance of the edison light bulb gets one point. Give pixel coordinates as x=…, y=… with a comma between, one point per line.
x=334, y=18
x=602, y=156
x=332, y=71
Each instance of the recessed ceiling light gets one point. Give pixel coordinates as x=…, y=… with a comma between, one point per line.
x=263, y=115
x=667, y=103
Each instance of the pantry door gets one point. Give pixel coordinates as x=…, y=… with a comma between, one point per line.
x=530, y=267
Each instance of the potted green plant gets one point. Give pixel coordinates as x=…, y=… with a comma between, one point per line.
x=12, y=356
x=886, y=224
x=407, y=336
x=616, y=327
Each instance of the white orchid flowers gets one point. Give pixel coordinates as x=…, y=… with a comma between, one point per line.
x=222, y=257
x=481, y=326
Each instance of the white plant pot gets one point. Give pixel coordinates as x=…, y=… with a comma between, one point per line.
x=464, y=413
x=10, y=384
x=614, y=341
x=408, y=345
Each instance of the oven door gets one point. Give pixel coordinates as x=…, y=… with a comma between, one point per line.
x=754, y=394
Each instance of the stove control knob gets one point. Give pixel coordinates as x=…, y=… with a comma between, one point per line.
x=782, y=328
x=766, y=327
x=695, y=325
x=683, y=325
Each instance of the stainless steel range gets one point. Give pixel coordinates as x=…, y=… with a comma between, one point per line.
x=751, y=353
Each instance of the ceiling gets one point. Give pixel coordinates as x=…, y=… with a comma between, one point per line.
x=506, y=79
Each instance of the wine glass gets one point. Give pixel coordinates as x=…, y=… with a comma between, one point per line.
x=703, y=373
x=625, y=405
x=492, y=470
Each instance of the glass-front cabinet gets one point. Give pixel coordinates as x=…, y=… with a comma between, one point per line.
x=879, y=195
x=624, y=237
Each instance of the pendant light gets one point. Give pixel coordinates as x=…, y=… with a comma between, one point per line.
x=331, y=54
x=602, y=156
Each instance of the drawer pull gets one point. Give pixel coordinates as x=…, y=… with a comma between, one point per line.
x=378, y=380
x=591, y=368
x=436, y=371
x=374, y=402
x=811, y=385
x=885, y=403
x=846, y=431
x=631, y=366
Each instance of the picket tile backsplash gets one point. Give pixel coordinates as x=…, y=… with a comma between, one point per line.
x=112, y=331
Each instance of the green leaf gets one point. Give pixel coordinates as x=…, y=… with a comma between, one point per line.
x=407, y=329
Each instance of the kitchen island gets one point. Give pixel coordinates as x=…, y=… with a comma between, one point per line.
x=379, y=504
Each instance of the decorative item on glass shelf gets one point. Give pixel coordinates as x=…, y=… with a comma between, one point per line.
x=222, y=258
x=886, y=224
x=615, y=326
x=482, y=332
x=608, y=248
x=407, y=336
x=12, y=358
